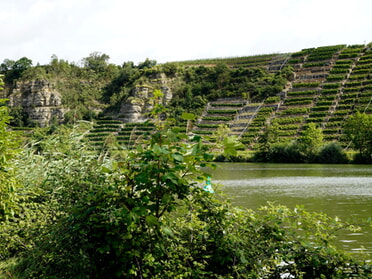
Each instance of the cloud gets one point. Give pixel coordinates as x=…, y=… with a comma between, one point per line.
x=168, y=30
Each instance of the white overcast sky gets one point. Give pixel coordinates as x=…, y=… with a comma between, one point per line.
x=174, y=30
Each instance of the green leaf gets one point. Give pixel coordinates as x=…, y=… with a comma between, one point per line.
x=152, y=221
x=188, y=116
x=177, y=157
x=167, y=231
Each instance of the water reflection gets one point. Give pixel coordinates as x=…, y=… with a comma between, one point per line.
x=344, y=191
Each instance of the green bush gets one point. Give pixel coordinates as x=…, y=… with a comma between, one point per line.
x=332, y=153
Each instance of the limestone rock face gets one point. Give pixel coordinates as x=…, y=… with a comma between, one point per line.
x=137, y=107
x=39, y=100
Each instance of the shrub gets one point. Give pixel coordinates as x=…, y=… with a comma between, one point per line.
x=332, y=153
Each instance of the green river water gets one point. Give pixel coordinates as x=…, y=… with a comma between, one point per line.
x=344, y=191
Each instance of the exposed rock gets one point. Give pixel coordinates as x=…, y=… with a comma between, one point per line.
x=137, y=107
x=39, y=100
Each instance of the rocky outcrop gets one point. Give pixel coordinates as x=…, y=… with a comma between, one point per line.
x=39, y=100
x=137, y=107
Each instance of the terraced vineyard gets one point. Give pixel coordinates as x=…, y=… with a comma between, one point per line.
x=330, y=83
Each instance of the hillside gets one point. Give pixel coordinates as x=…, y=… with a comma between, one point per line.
x=322, y=85
x=330, y=83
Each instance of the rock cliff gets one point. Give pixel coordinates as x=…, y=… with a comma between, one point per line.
x=136, y=107
x=39, y=100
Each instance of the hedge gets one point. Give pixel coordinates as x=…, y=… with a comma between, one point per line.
x=314, y=119
x=331, y=85
x=218, y=118
x=289, y=111
x=287, y=133
x=94, y=135
x=336, y=119
x=320, y=108
x=331, y=130
x=324, y=103
x=329, y=91
x=336, y=77
x=341, y=112
x=227, y=104
x=339, y=71
x=102, y=130
x=343, y=62
x=346, y=106
x=208, y=125
x=288, y=120
x=327, y=98
x=344, y=102
x=314, y=64
x=318, y=114
x=358, y=77
x=342, y=66
x=107, y=121
x=305, y=84
x=350, y=95
x=353, y=83
x=144, y=124
x=289, y=127
x=301, y=93
x=272, y=99
x=222, y=111
x=116, y=126
x=298, y=101
x=352, y=89
x=203, y=132
x=365, y=61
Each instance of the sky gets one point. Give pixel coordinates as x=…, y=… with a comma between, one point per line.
x=176, y=30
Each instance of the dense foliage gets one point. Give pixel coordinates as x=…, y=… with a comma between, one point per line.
x=308, y=148
x=96, y=85
x=143, y=213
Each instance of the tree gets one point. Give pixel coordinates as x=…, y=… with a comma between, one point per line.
x=14, y=69
x=358, y=129
x=147, y=64
x=266, y=140
x=96, y=61
x=310, y=141
x=8, y=149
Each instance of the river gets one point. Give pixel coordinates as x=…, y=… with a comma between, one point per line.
x=344, y=191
